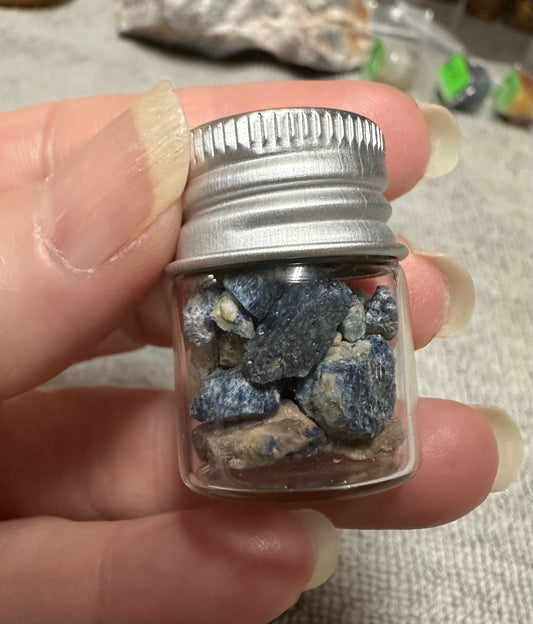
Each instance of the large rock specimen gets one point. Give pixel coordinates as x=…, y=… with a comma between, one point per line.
x=227, y=394
x=328, y=35
x=297, y=332
x=351, y=393
x=258, y=443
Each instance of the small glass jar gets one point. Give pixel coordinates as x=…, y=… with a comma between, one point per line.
x=294, y=360
x=395, y=62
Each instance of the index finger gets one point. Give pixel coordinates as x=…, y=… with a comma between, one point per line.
x=36, y=140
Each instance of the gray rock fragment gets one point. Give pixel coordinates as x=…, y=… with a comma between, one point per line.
x=256, y=293
x=351, y=393
x=297, y=332
x=230, y=349
x=258, y=443
x=385, y=443
x=227, y=394
x=328, y=35
x=198, y=326
x=381, y=313
x=229, y=316
x=354, y=327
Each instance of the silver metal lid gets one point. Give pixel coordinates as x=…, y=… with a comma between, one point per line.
x=290, y=183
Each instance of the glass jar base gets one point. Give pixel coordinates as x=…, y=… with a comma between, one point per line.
x=316, y=478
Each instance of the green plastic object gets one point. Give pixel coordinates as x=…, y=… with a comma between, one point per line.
x=377, y=59
x=453, y=77
x=505, y=93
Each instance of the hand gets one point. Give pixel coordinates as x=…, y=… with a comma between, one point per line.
x=97, y=525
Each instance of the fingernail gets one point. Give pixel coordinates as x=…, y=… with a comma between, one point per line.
x=445, y=140
x=461, y=293
x=326, y=545
x=509, y=444
x=118, y=184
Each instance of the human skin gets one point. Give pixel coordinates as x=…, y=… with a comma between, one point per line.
x=97, y=526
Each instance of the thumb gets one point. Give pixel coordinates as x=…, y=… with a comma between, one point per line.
x=82, y=247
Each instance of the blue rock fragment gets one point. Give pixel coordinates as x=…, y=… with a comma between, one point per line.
x=198, y=326
x=229, y=316
x=227, y=394
x=354, y=326
x=297, y=332
x=256, y=293
x=381, y=313
x=257, y=443
x=351, y=394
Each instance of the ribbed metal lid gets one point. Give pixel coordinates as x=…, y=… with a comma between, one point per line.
x=290, y=183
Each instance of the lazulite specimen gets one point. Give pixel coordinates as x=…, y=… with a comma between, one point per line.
x=298, y=330
x=351, y=393
x=354, y=326
x=198, y=326
x=315, y=343
x=229, y=316
x=256, y=293
x=227, y=394
x=381, y=313
x=260, y=442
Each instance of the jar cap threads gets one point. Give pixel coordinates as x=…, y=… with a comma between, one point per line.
x=285, y=184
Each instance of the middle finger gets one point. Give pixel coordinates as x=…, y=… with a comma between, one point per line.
x=109, y=453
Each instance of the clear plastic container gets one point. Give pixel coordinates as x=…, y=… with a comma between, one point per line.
x=295, y=373
x=295, y=380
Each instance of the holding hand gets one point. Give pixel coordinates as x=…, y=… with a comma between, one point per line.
x=97, y=526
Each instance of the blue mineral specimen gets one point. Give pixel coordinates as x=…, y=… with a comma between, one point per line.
x=227, y=394
x=198, y=326
x=353, y=327
x=381, y=313
x=229, y=316
x=298, y=330
x=256, y=293
x=351, y=394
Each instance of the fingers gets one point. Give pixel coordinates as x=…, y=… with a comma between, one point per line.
x=230, y=564
x=83, y=247
x=440, y=292
x=110, y=453
x=96, y=453
x=35, y=141
x=459, y=467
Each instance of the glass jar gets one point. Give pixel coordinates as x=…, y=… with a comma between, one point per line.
x=395, y=62
x=294, y=359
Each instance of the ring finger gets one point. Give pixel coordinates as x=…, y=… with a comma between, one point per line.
x=111, y=453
